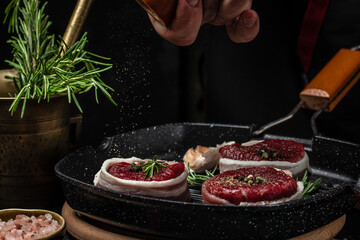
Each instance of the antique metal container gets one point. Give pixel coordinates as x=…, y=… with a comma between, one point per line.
x=29, y=149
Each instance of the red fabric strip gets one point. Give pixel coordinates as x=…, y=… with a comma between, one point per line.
x=310, y=29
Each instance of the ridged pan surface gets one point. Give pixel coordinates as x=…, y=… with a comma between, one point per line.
x=334, y=161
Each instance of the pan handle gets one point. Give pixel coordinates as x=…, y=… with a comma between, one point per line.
x=328, y=87
x=333, y=82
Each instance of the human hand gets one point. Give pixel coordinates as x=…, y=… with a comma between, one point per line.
x=241, y=22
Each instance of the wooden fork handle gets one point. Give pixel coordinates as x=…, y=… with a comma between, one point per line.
x=333, y=82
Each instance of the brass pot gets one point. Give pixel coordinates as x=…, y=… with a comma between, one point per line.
x=29, y=149
x=7, y=85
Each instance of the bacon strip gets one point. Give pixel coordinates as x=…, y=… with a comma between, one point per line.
x=297, y=168
x=231, y=188
x=173, y=189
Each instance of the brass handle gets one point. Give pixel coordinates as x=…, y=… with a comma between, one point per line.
x=77, y=21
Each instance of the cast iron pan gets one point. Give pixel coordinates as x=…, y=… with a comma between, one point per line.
x=336, y=162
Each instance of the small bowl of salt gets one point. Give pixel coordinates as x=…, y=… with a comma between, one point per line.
x=19, y=224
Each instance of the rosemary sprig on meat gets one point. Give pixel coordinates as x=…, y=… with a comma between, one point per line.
x=309, y=186
x=150, y=165
x=195, y=180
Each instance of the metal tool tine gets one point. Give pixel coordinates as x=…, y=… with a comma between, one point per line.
x=280, y=120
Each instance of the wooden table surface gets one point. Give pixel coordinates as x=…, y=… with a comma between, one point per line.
x=79, y=227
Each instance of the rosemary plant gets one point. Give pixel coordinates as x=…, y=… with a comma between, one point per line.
x=45, y=66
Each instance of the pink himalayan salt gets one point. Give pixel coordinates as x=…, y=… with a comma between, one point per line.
x=24, y=227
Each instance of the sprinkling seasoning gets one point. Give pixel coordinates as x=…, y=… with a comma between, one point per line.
x=268, y=153
x=134, y=167
x=250, y=179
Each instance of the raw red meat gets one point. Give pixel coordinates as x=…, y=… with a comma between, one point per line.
x=169, y=183
x=270, y=150
x=257, y=185
x=283, y=154
x=123, y=170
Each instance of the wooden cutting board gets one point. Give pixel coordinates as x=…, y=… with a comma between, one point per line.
x=83, y=228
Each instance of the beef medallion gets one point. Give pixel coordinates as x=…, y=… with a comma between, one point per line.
x=278, y=153
x=251, y=187
x=125, y=175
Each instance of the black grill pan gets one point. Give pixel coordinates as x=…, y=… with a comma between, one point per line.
x=336, y=162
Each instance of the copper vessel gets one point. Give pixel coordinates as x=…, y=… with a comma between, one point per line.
x=31, y=146
x=162, y=10
x=29, y=149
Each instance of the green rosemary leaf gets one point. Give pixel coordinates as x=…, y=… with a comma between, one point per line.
x=93, y=62
x=151, y=172
x=69, y=93
x=195, y=180
x=106, y=93
x=150, y=165
x=46, y=85
x=14, y=6
x=309, y=186
x=27, y=94
x=76, y=102
x=15, y=103
x=96, y=93
x=88, y=88
x=98, y=56
x=161, y=165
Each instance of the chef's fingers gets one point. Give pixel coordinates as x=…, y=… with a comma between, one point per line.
x=245, y=27
x=185, y=25
x=210, y=10
x=228, y=10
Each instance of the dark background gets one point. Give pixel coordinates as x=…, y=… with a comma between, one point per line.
x=145, y=73
x=213, y=80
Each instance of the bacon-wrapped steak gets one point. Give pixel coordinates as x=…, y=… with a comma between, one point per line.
x=251, y=187
x=277, y=153
x=125, y=176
